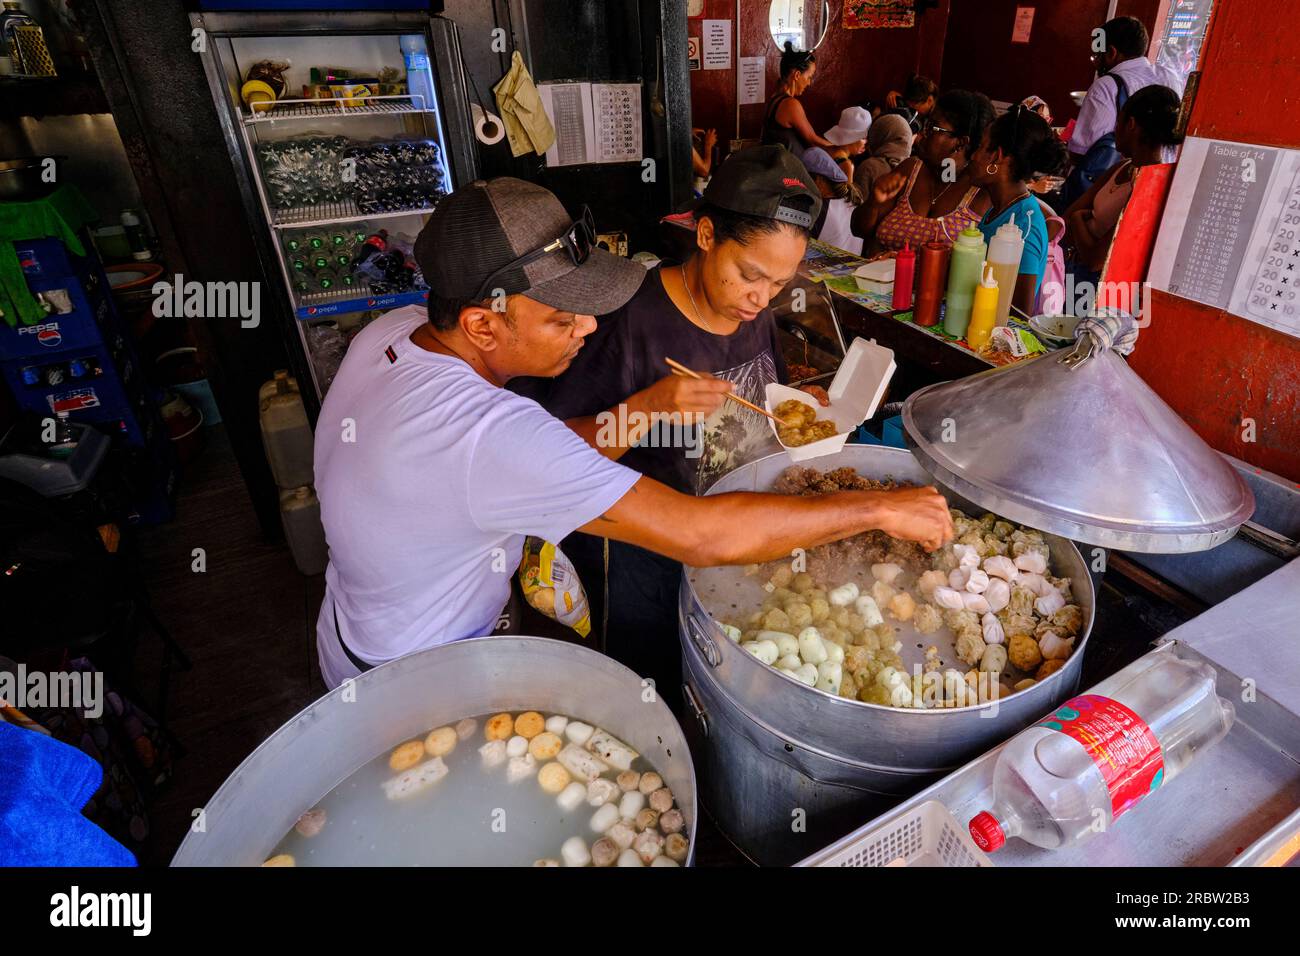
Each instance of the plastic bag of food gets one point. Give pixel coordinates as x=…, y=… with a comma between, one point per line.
x=551, y=585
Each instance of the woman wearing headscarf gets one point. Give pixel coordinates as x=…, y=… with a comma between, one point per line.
x=889, y=142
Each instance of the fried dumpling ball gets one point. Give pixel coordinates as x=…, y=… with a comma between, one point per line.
x=554, y=777
x=545, y=746
x=661, y=800
x=406, y=756
x=500, y=727
x=676, y=847
x=628, y=780
x=672, y=822
x=529, y=724
x=650, y=782
x=441, y=742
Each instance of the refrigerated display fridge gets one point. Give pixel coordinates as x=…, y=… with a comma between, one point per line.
x=344, y=131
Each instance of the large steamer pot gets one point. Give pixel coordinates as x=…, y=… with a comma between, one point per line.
x=348, y=727
x=786, y=769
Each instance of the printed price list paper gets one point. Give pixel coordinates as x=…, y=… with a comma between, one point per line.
x=594, y=122
x=1230, y=236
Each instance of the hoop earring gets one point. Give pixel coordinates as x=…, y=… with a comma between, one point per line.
x=991, y=169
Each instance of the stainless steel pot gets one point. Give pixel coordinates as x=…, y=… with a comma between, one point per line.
x=348, y=727
x=786, y=769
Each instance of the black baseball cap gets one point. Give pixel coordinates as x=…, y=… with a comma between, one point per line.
x=486, y=225
x=762, y=181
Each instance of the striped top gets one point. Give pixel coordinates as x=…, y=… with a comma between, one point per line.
x=903, y=225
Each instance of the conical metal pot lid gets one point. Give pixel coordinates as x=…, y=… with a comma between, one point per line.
x=1075, y=443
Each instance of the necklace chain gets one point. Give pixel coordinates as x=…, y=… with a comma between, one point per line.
x=698, y=314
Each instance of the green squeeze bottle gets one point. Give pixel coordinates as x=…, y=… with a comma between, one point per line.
x=964, y=274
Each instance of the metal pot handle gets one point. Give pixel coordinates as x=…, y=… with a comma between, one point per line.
x=693, y=702
x=703, y=641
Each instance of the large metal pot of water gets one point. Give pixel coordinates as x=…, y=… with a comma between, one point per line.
x=786, y=769
x=335, y=736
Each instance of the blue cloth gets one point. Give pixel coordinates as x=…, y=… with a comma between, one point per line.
x=1028, y=215
x=44, y=783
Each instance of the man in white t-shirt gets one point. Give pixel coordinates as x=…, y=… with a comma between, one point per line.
x=430, y=474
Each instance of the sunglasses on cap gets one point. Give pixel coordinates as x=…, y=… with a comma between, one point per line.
x=577, y=240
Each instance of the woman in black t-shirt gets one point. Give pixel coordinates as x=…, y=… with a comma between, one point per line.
x=710, y=314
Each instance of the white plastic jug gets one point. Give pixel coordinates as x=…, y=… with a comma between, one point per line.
x=286, y=433
x=300, y=515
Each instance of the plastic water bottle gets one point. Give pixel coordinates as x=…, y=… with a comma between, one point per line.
x=1075, y=772
x=419, y=79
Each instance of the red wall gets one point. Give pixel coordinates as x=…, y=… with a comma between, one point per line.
x=979, y=54
x=1213, y=368
x=851, y=65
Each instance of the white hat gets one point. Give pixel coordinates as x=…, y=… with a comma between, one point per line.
x=853, y=125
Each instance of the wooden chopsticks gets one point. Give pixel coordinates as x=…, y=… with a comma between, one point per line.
x=680, y=369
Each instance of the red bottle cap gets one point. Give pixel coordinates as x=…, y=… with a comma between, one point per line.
x=906, y=252
x=986, y=832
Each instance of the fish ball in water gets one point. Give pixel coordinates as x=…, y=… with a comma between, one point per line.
x=604, y=852
x=661, y=800
x=631, y=804
x=572, y=797
x=604, y=818
x=601, y=791
x=516, y=746
x=554, y=778
x=650, y=782
x=628, y=780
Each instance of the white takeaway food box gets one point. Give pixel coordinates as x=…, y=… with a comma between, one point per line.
x=855, y=394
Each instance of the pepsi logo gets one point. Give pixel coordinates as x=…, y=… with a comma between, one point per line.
x=311, y=310
x=370, y=301
x=49, y=336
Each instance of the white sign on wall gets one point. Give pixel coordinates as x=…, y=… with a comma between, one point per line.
x=749, y=80
x=717, y=44
x=1230, y=234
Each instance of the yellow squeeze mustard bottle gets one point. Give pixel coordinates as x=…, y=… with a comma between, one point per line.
x=984, y=311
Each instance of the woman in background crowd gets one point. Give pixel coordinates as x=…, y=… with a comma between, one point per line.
x=1143, y=132
x=786, y=124
x=932, y=196
x=889, y=142
x=1017, y=146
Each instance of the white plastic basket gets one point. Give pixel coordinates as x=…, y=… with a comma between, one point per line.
x=927, y=835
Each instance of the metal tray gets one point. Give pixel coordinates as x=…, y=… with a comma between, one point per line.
x=1232, y=807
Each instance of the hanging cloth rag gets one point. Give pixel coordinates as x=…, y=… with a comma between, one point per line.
x=528, y=128
x=60, y=215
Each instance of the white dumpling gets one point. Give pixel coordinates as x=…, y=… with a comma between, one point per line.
x=790, y=662
x=992, y=627
x=578, y=732
x=967, y=555
x=1054, y=647
x=764, y=651
x=572, y=797
x=974, y=602
x=958, y=577
x=633, y=802
x=807, y=674
x=1049, y=603
x=520, y=768
x=1000, y=566
x=558, y=722
x=1036, y=583
x=811, y=647
x=574, y=852
x=1031, y=561
x=949, y=598
x=604, y=818
x=601, y=791
x=629, y=857
x=978, y=581
x=844, y=595
x=516, y=746
x=997, y=594
x=868, y=610
x=493, y=753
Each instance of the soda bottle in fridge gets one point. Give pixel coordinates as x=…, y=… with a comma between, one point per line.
x=1075, y=772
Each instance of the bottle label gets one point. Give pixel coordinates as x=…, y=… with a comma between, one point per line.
x=1119, y=742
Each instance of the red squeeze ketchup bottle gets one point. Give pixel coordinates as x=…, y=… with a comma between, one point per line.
x=929, y=297
x=904, y=274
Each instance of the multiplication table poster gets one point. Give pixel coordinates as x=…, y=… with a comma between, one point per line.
x=1230, y=235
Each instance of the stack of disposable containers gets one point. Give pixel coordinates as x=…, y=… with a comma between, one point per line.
x=287, y=438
